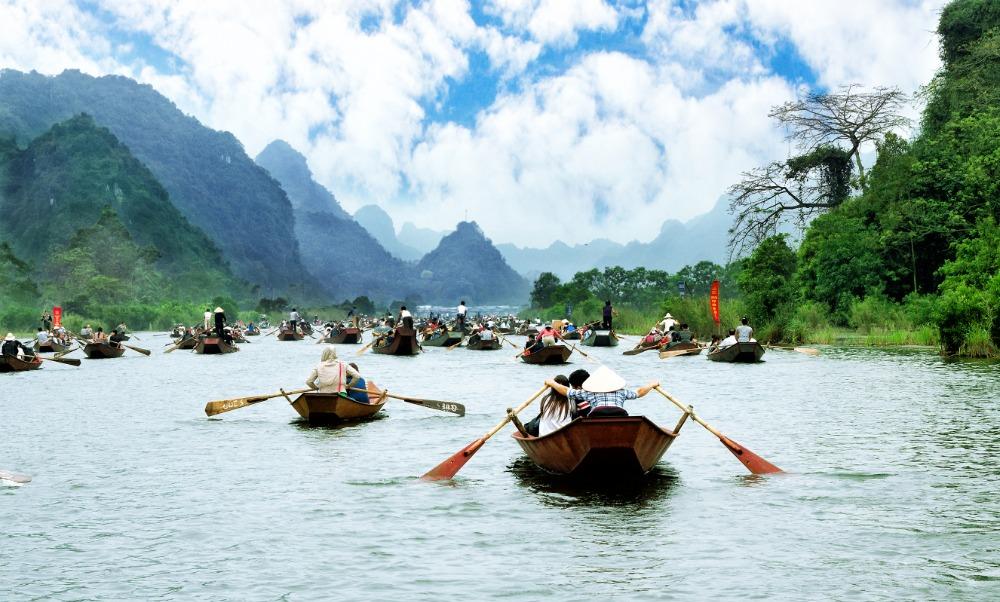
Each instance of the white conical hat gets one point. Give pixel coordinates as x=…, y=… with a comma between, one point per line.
x=668, y=316
x=603, y=380
x=9, y=337
x=219, y=310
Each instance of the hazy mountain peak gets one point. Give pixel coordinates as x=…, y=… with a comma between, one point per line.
x=289, y=167
x=379, y=224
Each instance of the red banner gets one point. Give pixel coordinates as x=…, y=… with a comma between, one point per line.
x=56, y=316
x=713, y=301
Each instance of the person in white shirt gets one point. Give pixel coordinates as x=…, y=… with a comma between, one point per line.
x=293, y=319
x=744, y=334
x=331, y=375
x=667, y=322
x=405, y=317
x=462, y=310
x=486, y=332
x=557, y=410
x=208, y=318
x=728, y=341
x=42, y=336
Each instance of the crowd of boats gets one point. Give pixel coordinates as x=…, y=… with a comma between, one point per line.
x=606, y=443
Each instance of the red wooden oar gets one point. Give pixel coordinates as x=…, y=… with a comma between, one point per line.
x=450, y=467
x=752, y=461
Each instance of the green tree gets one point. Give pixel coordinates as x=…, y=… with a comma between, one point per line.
x=546, y=286
x=768, y=279
x=970, y=294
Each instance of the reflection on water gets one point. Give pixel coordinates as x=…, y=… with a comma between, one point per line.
x=562, y=490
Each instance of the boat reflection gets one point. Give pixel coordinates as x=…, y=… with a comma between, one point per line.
x=559, y=490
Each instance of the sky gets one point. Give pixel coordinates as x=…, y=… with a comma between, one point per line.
x=539, y=119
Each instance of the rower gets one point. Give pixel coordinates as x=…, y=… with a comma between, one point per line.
x=548, y=335
x=220, y=322
x=42, y=337
x=605, y=392
x=294, y=318
x=405, y=317
x=86, y=332
x=116, y=338
x=461, y=311
x=13, y=347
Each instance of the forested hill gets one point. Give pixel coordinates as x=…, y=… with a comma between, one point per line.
x=207, y=174
x=66, y=177
x=466, y=264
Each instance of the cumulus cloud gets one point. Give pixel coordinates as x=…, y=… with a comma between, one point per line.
x=612, y=143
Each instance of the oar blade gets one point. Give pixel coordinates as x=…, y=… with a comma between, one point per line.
x=450, y=467
x=752, y=461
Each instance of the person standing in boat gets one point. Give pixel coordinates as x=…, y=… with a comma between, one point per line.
x=331, y=375
x=461, y=312
x=744, y=334
x=208, y=318
x=667, y=323
x=608, y=315
x=294, y=318
x=220, y=323
x=549, y=335
x=405, y=317
x=605, y=392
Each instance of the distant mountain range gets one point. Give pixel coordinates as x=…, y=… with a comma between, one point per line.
x=677, y=245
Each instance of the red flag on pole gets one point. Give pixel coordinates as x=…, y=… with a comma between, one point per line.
x=57, y=316
x=713, y=301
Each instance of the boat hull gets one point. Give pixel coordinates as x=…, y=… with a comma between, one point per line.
x=613, y=447
x=741, y=353
x=477, y=344
x=214, y=346
x=13, y=364
x=101, y=351
x=601, y=338
x=439, y=339
x=347, y=336
x=50, y=346
x=332, y=408
x=554, y=354
x=404, y=342
x=288, y=335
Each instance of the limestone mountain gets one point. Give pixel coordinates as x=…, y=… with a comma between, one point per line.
x=466, y=265
x=342, y=255
x=68, y=177
x=380, y=225
x=208, y=176
x=423, y=240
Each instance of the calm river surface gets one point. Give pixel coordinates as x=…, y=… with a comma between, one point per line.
x=892, y=491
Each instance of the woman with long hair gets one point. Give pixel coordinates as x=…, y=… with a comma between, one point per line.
x=557, y=410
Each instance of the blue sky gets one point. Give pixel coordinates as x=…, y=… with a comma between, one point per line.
x=619, y=115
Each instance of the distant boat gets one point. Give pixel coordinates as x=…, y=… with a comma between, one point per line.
x=442, y=338
x=404, y=342
x=290, y=335
x=102, y=350
x=344, y=336
x=477, y=344
x=601, y=338
x=214, y=345
x=743, y=353
x=553, y=354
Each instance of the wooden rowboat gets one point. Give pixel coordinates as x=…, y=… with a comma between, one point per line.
x=345, y=336
x=477, y=344
x=214, y=345
x=251, y=333
x=744, y=353
x=50, y=346
x=618, y=447
x=554, y=354
x=404, y=342
x=102, y=350
x=288, y=335
x=11, y=363
x=188, y=343
x=572, y=336
x=680, y=348
x=334, y=408
x=601, y=338
x=640, y=348
x=440, y=338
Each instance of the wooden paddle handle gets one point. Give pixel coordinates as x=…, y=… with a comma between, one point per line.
x=690, y=411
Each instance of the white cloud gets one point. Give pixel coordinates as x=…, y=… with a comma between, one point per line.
x=613, y=144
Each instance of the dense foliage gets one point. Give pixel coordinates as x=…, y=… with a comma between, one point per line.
x=923, y=224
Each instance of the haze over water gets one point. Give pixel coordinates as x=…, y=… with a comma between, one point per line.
x=891, y=491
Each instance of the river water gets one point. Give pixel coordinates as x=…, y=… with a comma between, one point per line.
x=891, y=491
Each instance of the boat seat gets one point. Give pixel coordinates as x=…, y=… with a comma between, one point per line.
x=606, y=411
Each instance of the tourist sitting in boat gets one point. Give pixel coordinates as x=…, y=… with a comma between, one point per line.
x=99, y=336
x=251, y=327
x=728, y=341
x=744, y=334
x=534, y=344
x=556, y=411
x=605, y=392
x=331, y=375
x=13, y=347
x=486, y=333
x=576, y=379
x=86, y=332
x=358, y=388
x=42, y=336
x=652, y=338
x=684, y=335
x=548, y=335
x=715, y=343
x=116, y=338
x=568, y=328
